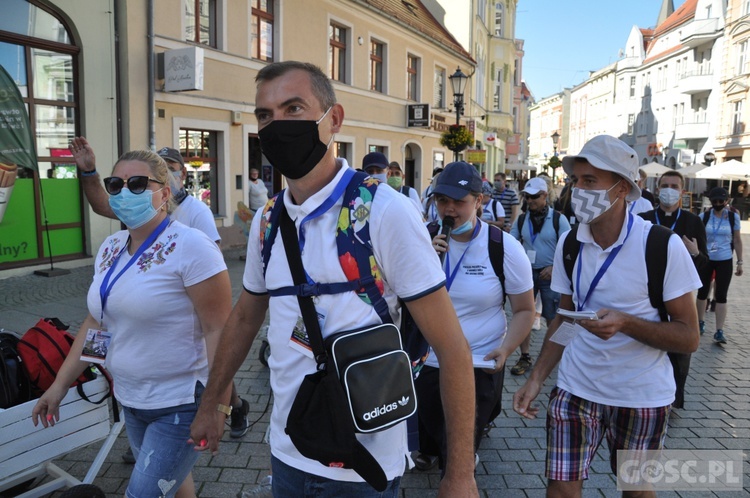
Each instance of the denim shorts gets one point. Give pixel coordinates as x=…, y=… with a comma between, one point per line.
x=159, y=442
x=289, y=482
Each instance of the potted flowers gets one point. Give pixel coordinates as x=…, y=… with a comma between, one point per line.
x=456, y=138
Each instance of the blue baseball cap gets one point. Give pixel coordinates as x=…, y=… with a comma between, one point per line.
x=458, y=180
x=376, y=159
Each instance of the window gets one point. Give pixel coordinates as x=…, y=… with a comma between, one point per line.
x=631, y=122
x=674, y=116
x=737, y=125
x=344, y=151
x=681, y=113
x=708, y=12
x=378, y=148
x=337, y=36
x=745, y=7
x=200, y=21
x=516, y=73
x=200, y=149
x=499, y=14
x=632, y=86
x=438, y=98
x=497, y=98
x=412, y=77
x=261, y=25
x=377, y=51
x=438, y=160
x=741, y=57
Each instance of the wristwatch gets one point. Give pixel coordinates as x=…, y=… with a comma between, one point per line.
x=226, y=410
x=739, y=262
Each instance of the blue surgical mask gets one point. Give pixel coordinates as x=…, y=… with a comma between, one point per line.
x=381, y=177
x=135, y=210
x=463, y=228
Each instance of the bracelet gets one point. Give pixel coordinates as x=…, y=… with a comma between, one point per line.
x=739, y=262
x=88, y=173
x=226, y=410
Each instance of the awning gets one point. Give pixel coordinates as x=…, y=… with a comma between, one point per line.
x=519, y=167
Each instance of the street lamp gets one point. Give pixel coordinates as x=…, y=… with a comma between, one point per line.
x=708, y=158
x=458, y=84
x=555, y=140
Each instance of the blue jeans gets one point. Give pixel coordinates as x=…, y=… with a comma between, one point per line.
x=289, y=482
x=159, y=442
x=550, y=298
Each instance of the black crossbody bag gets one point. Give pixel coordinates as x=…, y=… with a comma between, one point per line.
x=363, y=383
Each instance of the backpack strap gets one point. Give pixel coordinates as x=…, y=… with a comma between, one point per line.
x=657, y=245
x=571, y=248
x=497, y=254
x=556, y=222
x=354, y=247
x=519, y=224
x=405, y=190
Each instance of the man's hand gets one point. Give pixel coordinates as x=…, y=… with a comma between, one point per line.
x=524, y=396
x=83, y=154
x=500, y=358
x=609, y=323
x=207, y=429
x=546, y=273
x=691, y=245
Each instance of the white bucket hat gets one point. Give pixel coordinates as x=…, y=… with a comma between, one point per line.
x=608, y=153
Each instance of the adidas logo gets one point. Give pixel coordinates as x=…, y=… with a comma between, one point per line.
x=403, y=401
x=463, y=182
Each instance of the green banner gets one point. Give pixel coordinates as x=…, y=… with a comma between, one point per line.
x=16, y=141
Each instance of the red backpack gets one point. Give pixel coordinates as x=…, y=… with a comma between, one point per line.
x=43, y=349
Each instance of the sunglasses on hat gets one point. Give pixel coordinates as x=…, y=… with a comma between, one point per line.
x=136, y=184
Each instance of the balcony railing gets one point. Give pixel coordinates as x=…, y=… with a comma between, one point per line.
x=696, y=81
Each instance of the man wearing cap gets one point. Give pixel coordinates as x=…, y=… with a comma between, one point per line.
x=395, y=178
x=614, y=376
x=722, y=237
x=538, y=233
x=508, y=197
x=298, y=118
x=693, y=234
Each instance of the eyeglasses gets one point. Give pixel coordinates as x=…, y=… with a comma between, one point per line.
x=136, y=184
x=535, y=196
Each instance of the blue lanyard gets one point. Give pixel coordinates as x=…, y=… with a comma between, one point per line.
x=106, y=287
x=716, y=226
x=451, y=276
x=338, y=191
x=532, y=235
x=656, y=214
x=602, y=270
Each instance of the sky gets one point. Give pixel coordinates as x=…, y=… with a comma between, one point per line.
x=564, y=40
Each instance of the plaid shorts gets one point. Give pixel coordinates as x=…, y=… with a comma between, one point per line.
x=575, y=428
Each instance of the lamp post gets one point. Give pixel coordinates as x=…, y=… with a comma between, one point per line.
x=708, y=158
x=555, y=140
x=458, y=84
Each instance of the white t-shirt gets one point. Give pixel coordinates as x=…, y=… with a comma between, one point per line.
x=621, y=371
x=410, y=269
x=476, y=293
x=493, y=210
x=258, y=194
x=414, y=198
x=193, y=213
x=157, y=352
x=641, y=205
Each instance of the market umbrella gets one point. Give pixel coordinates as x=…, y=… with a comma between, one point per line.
x=655, y=170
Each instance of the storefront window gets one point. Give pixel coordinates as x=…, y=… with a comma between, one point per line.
x=43, y=211
x=198, y=148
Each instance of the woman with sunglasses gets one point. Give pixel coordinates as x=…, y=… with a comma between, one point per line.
x=477, y=295
x=161, y=292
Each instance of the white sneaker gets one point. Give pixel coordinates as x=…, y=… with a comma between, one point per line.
x=537, y=323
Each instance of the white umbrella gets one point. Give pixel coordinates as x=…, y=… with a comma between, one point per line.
x=690, y=171
x=655, y=170
x=729, y=170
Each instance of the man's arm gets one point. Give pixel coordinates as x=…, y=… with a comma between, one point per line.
x=737, y=239
x=679, y=335
x=436, y=318
x=93, y=189
x=236, y=338
x=514, y=212
x=548, y=359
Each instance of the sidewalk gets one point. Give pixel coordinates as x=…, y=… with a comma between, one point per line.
x=716, y=414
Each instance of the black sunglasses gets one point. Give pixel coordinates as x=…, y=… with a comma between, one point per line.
x=136, y=184
x=535, y=196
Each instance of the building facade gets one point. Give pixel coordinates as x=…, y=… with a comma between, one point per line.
x=186, y=80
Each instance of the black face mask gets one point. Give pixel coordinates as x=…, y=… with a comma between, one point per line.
x=718, y=207
x=292, y=146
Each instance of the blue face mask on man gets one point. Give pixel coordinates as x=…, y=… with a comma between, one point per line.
x=135, y=210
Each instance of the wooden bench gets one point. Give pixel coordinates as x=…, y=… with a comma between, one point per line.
x=27, y=452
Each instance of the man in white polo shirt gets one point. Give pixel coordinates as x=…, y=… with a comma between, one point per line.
x=298, y=118
x=614, y=378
